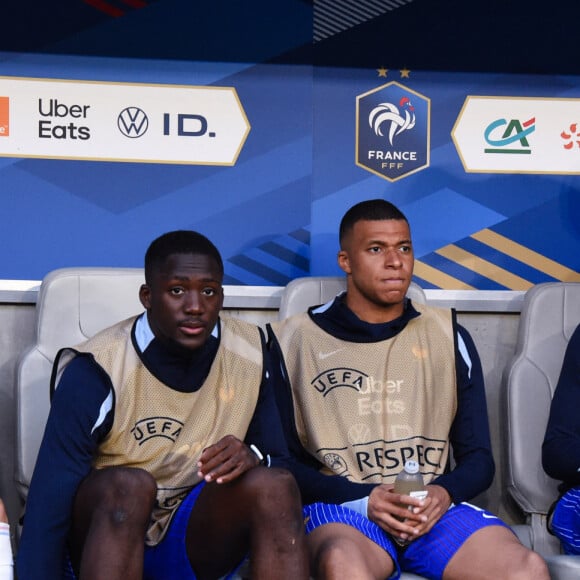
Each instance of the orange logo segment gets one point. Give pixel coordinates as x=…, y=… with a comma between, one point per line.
x=4, y=116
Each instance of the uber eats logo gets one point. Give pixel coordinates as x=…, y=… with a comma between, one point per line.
x=62, y=121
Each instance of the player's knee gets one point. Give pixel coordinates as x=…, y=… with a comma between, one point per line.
x=281, y=487
x=275, y=491
x=129, y=496
x=336, y=555
x=533, y=566
x=130, y=482
x=523, y=564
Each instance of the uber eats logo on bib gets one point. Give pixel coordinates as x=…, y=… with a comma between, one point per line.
x=374, y=396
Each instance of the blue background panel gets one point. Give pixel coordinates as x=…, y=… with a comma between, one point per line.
x=275, y=213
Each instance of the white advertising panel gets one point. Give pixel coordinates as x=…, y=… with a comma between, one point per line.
x=519, y=135
x=134, y=122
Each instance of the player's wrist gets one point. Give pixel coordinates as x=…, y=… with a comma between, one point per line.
x=262, y=459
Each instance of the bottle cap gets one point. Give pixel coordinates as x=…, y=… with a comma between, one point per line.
x=411, y=466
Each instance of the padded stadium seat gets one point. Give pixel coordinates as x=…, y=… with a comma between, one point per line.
x=550, y=313
x=73, y=305
x=302, y=293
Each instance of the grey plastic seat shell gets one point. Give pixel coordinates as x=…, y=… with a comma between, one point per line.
x=302, y=293
x=550, y=313
x=73, y=305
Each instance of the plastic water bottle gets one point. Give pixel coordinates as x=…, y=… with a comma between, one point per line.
x=410, y=482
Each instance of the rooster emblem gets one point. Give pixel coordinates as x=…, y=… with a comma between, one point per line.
x=392, y=115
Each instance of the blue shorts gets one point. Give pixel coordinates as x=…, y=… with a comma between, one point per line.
x=565, y=523
x=168, y=560
x=426, y=556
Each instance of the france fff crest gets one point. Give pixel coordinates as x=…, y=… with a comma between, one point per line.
x=392, y=131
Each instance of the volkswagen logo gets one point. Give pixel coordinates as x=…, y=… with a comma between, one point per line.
x=133, y=122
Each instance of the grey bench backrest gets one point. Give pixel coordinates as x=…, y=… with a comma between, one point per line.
x=550, y=313
x=302, y=293
x=73, y=305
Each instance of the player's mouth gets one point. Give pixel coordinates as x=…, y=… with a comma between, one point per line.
x=393, y=281
x=192, y=328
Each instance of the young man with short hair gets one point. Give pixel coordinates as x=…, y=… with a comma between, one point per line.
x=373, y=380
x=150, y=462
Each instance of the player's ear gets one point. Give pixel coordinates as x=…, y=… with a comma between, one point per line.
x=343, y=261
x=145, y=296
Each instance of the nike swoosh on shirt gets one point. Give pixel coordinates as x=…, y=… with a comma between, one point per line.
x=323, y=355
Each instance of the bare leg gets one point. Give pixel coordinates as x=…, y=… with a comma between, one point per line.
x=259, y=513
x=495, y=552
x=338, y=551
x=110, y=517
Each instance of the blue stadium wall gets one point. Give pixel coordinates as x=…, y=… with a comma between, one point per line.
x=306, y=75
